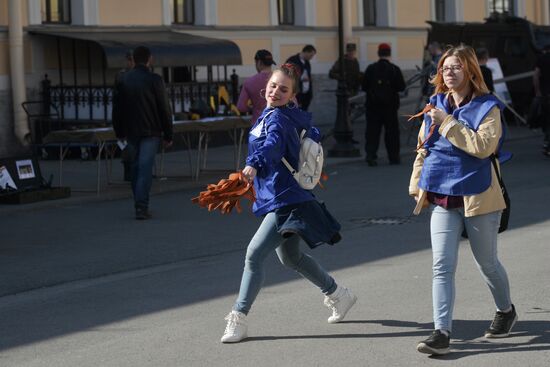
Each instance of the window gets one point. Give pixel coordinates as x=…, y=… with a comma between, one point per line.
x=369, y=12
x=184, y=11
x=56, y=11
x=286, y=11
x=501, y=6
x=439, y=10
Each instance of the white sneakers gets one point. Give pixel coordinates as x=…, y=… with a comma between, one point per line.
x=340, y=302
x=235, y=331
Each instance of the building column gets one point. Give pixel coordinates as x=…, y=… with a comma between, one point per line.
x=273, y=12
x=458, y=8
x=35, y=17
x=91, y=12
x=206, y=12
x=519, y=7
x=166, y=12
x=305, y=13
x=545, y=12
x=347, y=23
x=17, y=71
x=391, y=13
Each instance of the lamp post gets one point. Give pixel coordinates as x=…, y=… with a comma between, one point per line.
x=343, y=133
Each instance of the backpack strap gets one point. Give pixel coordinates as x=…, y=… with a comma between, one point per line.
x=285, y=162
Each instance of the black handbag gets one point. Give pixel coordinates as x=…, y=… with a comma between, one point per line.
x=505, y=217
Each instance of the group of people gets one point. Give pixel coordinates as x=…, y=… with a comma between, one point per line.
x=382, y=81
x=455, y=175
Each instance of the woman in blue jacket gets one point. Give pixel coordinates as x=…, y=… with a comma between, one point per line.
x=287, y=208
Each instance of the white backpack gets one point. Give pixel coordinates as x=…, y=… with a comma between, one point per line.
x=310, y=163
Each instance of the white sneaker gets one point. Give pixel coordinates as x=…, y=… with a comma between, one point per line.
x=340, y=302
x=235, y=331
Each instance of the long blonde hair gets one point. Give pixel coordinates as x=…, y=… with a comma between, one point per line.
x=472, y=72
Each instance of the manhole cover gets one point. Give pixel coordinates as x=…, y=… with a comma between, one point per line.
x=381, y=220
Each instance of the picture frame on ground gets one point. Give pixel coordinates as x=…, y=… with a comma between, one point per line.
x=25, y=169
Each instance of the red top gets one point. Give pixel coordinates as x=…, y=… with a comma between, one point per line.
x=445, y=201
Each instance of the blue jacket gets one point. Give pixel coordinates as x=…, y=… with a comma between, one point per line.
x=269, y=140
x=447, y=169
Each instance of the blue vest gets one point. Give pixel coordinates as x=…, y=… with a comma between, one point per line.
x=448, y=170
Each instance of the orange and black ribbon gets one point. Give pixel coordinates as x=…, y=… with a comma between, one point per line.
x=428, y=108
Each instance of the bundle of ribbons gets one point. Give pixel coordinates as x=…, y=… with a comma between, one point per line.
x=226, y=194
x=428, y=108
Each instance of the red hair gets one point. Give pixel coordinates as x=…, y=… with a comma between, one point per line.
x=293, y=73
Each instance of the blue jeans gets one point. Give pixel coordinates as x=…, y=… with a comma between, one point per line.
x=446, y=227
x=262, y=244
x=143, y=151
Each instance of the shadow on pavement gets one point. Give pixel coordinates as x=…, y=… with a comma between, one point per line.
x=204, y=252
x=466, y=341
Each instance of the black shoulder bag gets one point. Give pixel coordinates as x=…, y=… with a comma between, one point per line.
x=506, y=212
x=505, y=217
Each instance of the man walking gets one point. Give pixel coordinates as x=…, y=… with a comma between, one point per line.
x=301, y=60
x=142, y=116
x=253, y=89
x=382, y=82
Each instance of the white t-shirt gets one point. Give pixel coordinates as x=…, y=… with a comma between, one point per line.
x=304, y=78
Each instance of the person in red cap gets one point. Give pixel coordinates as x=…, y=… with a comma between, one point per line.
x=382, y=82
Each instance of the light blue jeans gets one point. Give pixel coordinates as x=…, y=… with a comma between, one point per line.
x=262, y=244
x=446, y=227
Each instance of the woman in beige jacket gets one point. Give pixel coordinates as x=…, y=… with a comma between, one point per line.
x=454, y=176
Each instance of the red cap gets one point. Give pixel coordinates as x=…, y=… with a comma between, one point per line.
x=384, y=46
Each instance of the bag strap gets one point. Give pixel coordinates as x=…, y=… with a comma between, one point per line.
x=285, y=162
x=497, y=171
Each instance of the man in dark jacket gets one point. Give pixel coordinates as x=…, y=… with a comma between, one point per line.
x=382, y=82
x=353, y=73
x=142, y=116
x=301, y=60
